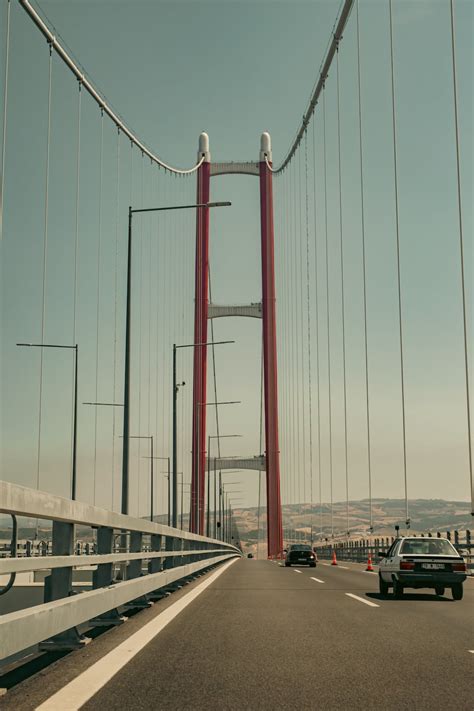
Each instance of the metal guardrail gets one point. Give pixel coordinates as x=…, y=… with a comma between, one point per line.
x=358, y=551
x=136, y=561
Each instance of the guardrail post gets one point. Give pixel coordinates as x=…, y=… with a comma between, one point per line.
x=103, y=577
x=154, y=565
x=58, y=585
x=134, y=570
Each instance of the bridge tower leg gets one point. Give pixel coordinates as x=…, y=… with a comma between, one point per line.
x=201, y=303
x=274, y=521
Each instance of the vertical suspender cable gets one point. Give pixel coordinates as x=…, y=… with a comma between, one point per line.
x=318, y=379
x=302, y=337
x=344, y=379
x=328, y=315
x=298, y=308
x=308, y=325
x=5, y=109
x=150, y=222
x=364, y=269
x=461, y=254
x=402, y=375
x=140, y=302
x=114, y=382
x=260, y=449
x=99, y=244
x=76, y=240
x=45, y=264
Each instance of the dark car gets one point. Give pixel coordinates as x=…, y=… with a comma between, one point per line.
x=249, y=555
x=301, y=554
x=418, y=562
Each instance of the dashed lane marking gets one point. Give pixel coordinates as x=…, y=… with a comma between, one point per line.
x=75, y=694
x=361, y=599
x=327, y=564
x=318, y=580
x=297, y=571
x=344, y=567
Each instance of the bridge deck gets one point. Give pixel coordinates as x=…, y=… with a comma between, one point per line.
x=262, y=636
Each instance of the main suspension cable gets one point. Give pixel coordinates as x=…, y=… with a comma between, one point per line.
x=98, y=98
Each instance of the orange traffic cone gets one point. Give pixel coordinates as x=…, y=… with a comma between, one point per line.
x=334, y=559
x=370, y=568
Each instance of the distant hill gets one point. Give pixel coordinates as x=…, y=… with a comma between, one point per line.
x=299, y=520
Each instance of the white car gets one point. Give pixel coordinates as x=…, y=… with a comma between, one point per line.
x=414, y=562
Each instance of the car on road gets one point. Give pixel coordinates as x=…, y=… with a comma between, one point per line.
x=419, y=562
x=301, y=554
x=249, y=555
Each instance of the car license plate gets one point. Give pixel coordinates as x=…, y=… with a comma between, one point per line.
x=301, y=560
x=433, y=566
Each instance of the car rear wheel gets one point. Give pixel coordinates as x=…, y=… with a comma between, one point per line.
x=287, y=565
x=439, y=590
x=312, y=565
x=457, y=591
x=383, y=586
x=397, y=588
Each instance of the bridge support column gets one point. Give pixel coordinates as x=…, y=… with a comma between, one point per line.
x=201, y=304
x=274, y=523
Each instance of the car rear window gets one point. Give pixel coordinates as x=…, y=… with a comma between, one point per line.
x=301, y=547
x=423, y=546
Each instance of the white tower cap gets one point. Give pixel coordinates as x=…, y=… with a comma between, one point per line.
x=204, y=148
x=265, y=147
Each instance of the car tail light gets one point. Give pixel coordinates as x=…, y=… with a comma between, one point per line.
x=459, y=567
x=311, y=557
x=406, y=565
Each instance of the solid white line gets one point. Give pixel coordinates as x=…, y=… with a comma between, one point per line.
x=317, y=580
x=471, y=651
x=297, y=571
x=75, y=694
x=361, y=599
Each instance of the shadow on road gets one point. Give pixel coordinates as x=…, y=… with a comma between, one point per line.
x=417, y=597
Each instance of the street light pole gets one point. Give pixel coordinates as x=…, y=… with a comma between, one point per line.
x=218, y=437
x=126, y=400
x=176, y=387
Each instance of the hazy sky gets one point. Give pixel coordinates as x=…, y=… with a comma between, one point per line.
x=235, y=69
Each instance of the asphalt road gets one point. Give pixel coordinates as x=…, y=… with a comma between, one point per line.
x=264, y=636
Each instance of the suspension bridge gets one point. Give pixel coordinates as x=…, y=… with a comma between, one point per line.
x=340, y=326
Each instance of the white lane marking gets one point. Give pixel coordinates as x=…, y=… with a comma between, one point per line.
x=317, y=580
x=75, y=694
x=344, y=567
x=361, y=599
x=297, y=571
x=328, y=564
x=471, y=651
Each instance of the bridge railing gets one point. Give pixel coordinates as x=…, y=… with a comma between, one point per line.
x=359, y=550
x=135, y=562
